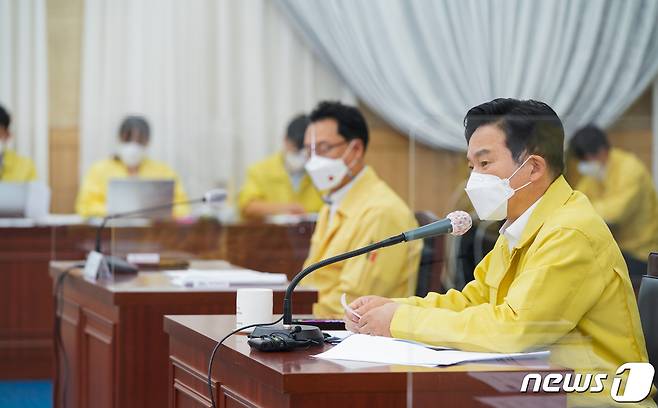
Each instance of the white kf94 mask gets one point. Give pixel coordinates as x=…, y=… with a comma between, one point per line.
x=327, y=173
x=489, y=194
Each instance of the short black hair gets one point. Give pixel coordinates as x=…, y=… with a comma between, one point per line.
x=530, y=127
x=588, y=140
x=137, y=123
x=5, y=118
x=351, y=123
x=296, y=130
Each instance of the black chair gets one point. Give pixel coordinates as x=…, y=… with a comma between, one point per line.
x=652, y=264
x=648, y=304
x=471, y=248
x=431, y=258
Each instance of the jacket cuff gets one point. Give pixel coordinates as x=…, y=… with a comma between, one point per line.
x=402, y=322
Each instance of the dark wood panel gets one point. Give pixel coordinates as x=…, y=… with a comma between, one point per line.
x=184, y=397
x=98, y=348
x=67, y=376
x=230, y=399
x=26, y=319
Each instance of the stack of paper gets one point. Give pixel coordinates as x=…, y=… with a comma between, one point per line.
x=225, y=278
x=385, y=350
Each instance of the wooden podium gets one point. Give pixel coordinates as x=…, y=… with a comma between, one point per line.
x=26, y=313
x=25, y=294
x=115, y=346
x=243, y=377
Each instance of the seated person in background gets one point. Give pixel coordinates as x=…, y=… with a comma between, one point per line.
x=555, y=279
x=622, y=192
x=13, y=167
x=279, y=184
x=360, y=210
x=130, y=161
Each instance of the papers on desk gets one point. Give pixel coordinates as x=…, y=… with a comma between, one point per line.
x=385, y=350
x=54, y=220
x=287, y=219
x=198, y=278
x=61, y=219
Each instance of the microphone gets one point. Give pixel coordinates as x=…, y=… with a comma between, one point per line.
x=455, y=223
x=121, y=266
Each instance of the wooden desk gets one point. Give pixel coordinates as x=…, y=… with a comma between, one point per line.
x=247, y=378
x=115, y=346
x=26, y=288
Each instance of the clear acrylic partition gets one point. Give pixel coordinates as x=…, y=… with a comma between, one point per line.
x=430, y=181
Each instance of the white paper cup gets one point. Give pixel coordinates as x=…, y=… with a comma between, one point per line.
x=253, y=305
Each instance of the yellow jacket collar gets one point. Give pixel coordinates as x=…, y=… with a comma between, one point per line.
x=353, y=200
x=557, y=194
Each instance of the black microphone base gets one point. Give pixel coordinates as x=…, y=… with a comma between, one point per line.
x=296, y=335
x=120, y=266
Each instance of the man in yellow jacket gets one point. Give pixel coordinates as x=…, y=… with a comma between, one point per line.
x=130, y=161
x=279, y=184
x=622, y=192
x=13, y=167
x=361, y=209
x=555, y=279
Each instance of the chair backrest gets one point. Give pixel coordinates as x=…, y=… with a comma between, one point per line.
x=648, y=304
x=432, y=258
x=652, y=264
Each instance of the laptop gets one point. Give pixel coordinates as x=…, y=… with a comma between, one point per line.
x=24, y=200
x=124, y=195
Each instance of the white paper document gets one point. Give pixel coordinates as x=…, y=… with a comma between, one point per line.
x=385, y=350
x=225, y=278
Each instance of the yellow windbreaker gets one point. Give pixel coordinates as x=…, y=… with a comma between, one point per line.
x=369, y=212
x=92, y=197
x=269, y=181
x=564, y=287
x=627, y=201
x=17, y=168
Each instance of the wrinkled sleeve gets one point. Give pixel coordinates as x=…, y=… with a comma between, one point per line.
x=545, y=301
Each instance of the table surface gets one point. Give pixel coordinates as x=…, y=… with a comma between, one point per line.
x=206, y=330
x=154, y=286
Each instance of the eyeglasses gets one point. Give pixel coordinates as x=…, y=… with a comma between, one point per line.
x=322, y=148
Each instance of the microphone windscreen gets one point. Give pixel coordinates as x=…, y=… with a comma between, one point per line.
x=214, y=196
x=461, y=222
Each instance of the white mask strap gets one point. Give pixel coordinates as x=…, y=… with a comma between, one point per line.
x=349, y=147
x=518, y=168
x=515, y=171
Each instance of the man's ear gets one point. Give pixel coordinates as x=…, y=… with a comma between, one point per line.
x=539, y=167
x=358, y=148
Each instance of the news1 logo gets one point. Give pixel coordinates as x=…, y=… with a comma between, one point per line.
x=637, y=388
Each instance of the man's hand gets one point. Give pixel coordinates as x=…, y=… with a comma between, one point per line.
x=377, y=322
x=361, y=306
x=364, y=304
x=292, y=208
